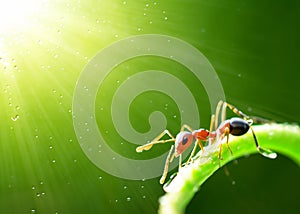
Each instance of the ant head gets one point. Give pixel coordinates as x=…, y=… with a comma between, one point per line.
x=183, y=141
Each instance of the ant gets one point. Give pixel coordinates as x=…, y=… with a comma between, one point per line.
x=184, y=139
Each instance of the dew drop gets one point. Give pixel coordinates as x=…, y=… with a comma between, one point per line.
x=15, y=118
x=100, y=177
x=166, y=18
x=53, y=161
x=233, y=182
x=128, y=199
x=125, y=187
x=32, y=210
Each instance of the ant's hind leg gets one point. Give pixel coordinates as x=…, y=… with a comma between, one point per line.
x=217, y=114
x=237, y=112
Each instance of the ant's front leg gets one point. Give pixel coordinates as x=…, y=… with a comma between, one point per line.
x=169, y=159
x=156, y=141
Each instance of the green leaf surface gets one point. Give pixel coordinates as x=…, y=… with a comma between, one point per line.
x=281, y=138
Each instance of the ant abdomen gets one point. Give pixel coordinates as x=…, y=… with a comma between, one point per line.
x=238, y=126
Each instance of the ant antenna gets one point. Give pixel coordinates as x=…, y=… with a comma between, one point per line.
x=265, y=152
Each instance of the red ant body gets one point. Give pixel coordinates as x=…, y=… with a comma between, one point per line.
x=184, y=139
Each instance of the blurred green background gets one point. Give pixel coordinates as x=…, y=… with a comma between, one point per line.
x=253, y=46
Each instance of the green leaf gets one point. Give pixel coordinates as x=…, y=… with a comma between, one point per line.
x=282, y=138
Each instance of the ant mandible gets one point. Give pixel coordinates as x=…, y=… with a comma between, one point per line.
x=184, y=139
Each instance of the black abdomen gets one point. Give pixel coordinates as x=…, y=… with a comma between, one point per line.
x=238, y=126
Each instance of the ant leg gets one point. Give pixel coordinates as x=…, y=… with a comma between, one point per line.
x=226, y=134
x=265, y=152
x=227, y=140
x=156, y=141
x=212, y=121
x=184, y=126
x=166, y=168
x=237, y=112
x=217, y=114
x=223, y=112
x=180, y=161
x=198, y=142
x=192, y=153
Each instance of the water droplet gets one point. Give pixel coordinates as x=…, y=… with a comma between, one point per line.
x=53, y=90
x=150, y=22
x=17, y=107
x=239, y=75
x=128, y=199
x=15, y=118
x=36, y=136
x=50, y=147
x=166, y=18
x=147, y=5
x=124, y=2
x=41, y=182
x=33, y=187
x=116, y=200
x=233, y=183
x=38, y=195
x=32, y=210
x=100, y=177
x=53, y=161
x=143, y=196
x=139, y=29
x=75, y=161
x=142, y=186
x=125, y=187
